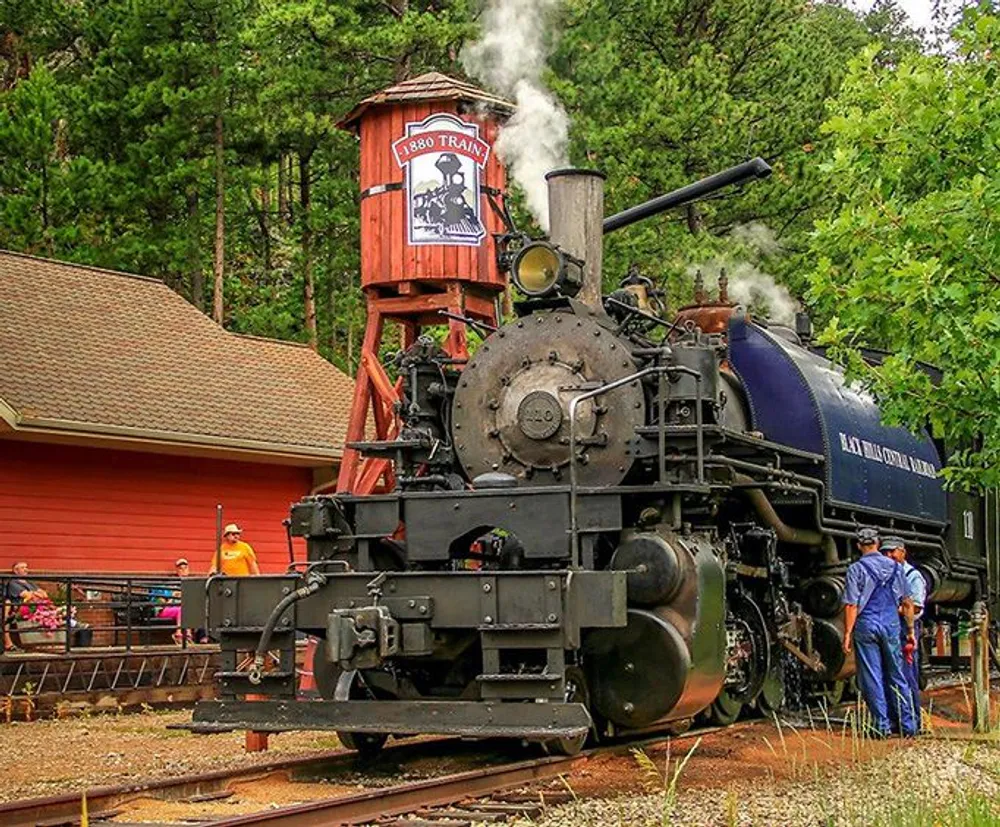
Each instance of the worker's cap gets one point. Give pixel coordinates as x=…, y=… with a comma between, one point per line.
x=867, y=535
x=891, y=544
x=232, y=528
x=181, y=561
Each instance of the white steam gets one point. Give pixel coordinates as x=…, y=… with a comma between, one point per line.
x=510, y=57
x=748, y=284
x=758, y=236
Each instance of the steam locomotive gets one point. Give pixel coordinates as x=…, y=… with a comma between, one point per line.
x=605, y=521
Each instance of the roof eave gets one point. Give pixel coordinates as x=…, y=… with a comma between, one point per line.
x=500, y=108
x=8, y=416
x=135, y=437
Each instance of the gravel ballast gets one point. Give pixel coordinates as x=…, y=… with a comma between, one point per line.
x=916, y=779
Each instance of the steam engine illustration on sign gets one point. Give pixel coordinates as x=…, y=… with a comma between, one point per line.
x=443, y=156
x=604, y=519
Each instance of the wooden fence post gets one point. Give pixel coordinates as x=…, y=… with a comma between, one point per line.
x=980, y=657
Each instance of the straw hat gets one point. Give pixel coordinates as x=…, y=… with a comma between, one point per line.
x=232, y=528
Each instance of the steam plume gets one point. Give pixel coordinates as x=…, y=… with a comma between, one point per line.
x=748, y=284
x=510, y=57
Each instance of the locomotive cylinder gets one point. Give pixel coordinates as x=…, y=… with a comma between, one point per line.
x=654, y=571
x=668, y=661
x=576, y=217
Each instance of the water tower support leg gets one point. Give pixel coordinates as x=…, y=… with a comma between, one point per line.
x=350, y=464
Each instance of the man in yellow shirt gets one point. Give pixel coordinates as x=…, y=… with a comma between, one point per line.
x=238, y=558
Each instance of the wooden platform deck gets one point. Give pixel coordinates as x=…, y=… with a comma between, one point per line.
x=45, y=683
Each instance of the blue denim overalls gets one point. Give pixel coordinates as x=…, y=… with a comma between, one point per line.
x=911, y=671
x=880, y=658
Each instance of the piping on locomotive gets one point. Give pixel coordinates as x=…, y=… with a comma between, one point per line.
x=604, y=521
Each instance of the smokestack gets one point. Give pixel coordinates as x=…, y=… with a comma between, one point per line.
x=576, y=222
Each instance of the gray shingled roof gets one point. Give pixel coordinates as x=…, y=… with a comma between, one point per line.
x=93, y=351
x=431, y=86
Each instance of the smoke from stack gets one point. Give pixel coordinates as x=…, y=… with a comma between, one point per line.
x=749, y=285
x=509, y=57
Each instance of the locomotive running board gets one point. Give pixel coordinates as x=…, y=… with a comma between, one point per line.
x=472, y=719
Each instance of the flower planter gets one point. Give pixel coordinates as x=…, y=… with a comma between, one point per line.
x=35, y=636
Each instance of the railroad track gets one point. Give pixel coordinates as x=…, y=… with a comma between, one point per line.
x=449, y=800
x=102, y=802
x=365, y=807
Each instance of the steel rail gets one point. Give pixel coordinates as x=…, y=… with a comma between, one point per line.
x=52, y=809
x=358, y=808
x=376, y=805
x=372, y=805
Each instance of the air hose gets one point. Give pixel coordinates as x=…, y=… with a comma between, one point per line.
x=314, y=582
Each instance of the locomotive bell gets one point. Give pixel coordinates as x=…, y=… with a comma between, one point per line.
x=541, y=269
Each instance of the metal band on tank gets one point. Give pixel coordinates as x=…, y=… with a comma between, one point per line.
x=378, y=189
x=396, y=186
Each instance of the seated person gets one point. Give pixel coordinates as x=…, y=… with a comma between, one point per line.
x=173, y=611
x=19, y=591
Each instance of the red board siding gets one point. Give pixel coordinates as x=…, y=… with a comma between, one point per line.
x=98, y=510
x=386, y=257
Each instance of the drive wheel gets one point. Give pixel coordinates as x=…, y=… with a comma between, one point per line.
x=576, y=693
x=724, y=710
x=829, y=693
x=351, y=687
x=772, y=693
x=365, y=744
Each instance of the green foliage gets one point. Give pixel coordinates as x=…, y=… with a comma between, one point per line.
x=662, y=92
x=908, y=257
x=108, y=111
x=107, y=117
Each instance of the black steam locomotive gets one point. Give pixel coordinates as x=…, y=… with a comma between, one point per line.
x=606, y=520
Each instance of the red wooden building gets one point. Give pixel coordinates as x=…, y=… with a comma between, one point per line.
x=126, y=414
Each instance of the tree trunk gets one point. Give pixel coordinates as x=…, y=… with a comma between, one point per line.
x=401, y=71
x=194, y=247
x=305, y=197
x=331, y=303
x=220, y=209
x=693, y=219
x=282, y=191
x=265, y=214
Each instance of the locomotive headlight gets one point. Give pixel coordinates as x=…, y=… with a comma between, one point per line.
x=541, y=269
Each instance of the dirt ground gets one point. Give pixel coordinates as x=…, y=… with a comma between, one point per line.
x=58, y=756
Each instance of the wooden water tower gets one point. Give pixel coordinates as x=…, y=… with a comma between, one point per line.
x=428, y=171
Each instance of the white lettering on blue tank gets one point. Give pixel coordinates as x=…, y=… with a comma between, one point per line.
x=884, y=455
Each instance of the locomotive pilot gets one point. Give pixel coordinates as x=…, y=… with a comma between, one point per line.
x=895, y=548
x=875, y=591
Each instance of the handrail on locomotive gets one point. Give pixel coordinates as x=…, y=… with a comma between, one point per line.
x=692, y=563
x=660, y=371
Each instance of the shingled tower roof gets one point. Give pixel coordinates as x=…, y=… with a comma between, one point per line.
x=428, y=87
x=92, y=354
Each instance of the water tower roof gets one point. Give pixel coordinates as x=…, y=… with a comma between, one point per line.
x=428, y=87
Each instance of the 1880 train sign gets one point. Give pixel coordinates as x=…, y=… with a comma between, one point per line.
x=442, y=156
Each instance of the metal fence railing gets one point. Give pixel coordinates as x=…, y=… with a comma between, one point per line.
x=67, y=612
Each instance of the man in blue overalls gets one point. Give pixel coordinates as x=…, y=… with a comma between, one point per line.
x=874, y=592
x=916, y=587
